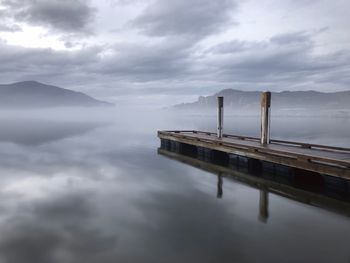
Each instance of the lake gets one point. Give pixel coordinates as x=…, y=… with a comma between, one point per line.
x=91, y=187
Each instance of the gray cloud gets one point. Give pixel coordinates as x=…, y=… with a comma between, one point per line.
x=9, y=28
x=234, y=46
x=169, y=48
x=149, y=62
x=286, y=61
x=283, y=62
x=291, y=38
x=195, y=18
x=6, y=23
x=174, y=66
x=41, y=62
x=72, y=16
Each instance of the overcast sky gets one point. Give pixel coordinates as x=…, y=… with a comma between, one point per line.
x=163, y=52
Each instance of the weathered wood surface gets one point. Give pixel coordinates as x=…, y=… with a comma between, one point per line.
x=265, y=117
x=220, y=125
x=291, y=192
x=322, y=159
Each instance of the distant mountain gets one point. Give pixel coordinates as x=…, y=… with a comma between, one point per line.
x=293, y=100
x=33, y=94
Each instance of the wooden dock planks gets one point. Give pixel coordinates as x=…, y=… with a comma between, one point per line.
x=322, y=159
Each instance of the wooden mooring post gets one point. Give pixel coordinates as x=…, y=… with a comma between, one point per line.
x=220, y=117
x=265, y=117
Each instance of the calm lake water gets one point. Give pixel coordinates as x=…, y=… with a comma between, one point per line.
x=94, y=189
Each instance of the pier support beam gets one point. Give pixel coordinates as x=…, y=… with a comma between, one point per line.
x=220, y=117
x=265, y=117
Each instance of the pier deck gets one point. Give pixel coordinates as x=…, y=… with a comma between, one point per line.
x=322, y=159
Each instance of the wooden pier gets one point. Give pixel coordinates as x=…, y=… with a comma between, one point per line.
x=321, y=159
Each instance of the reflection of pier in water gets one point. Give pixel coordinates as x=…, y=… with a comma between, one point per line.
x=322, y=191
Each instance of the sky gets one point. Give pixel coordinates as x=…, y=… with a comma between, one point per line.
x=163, y=52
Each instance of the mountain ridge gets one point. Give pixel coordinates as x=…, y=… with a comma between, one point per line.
x=34, y=94
x=244, y=100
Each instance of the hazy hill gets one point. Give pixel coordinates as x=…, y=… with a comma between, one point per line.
x=32, y=94
x=293, y=100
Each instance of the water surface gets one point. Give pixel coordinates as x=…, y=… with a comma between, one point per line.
x=94, y=189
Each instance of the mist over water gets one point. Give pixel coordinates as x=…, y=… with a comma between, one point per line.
x=89, y=186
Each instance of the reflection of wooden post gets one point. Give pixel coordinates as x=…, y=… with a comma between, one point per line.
x=264, y=206
x=220, y=116
x=265, y=117
x=220, y=182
